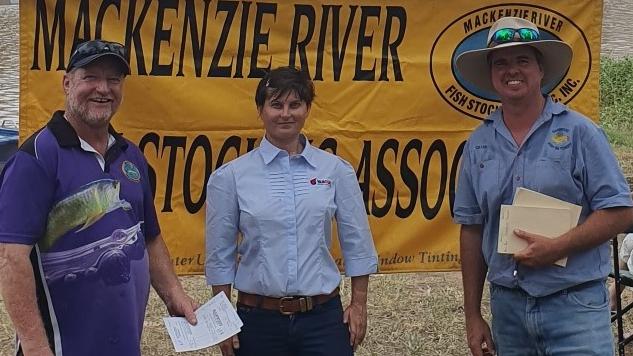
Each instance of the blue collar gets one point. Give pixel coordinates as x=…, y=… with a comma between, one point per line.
x=269, y=151
x=551, y=108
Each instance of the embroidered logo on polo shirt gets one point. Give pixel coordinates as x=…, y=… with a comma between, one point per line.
x=317, y=181
x=130, y=170
x=560, y=139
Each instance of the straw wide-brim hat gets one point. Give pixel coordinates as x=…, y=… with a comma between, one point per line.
x=474, y=67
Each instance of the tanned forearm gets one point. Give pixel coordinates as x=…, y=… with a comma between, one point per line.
x=601, y=226
x=163, y=277
x=474, y=268
x=167, y=284
x=360, y=285
x=17, y=283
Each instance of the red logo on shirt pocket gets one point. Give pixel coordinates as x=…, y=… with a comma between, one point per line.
x=317, y=181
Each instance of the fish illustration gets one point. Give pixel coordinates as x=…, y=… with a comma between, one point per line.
x=107, y=258
x=85, y=207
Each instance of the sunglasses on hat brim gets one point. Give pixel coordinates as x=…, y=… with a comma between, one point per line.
x=91, y=48
x=506, y=35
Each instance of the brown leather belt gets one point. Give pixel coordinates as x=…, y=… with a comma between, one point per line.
x=285, y=305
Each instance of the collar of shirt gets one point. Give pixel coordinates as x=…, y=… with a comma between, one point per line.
x=88, y=148
x=551, y=108
x=269, y=151
x=66, y=135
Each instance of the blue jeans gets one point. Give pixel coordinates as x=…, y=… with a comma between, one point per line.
x=319, y=332
x=574, y=321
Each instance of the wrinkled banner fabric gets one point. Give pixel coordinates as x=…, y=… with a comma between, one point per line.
x=389, y=99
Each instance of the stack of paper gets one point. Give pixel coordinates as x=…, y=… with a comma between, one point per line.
x=217, y=321
x=538, y=214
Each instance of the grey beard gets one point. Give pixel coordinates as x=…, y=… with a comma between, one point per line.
x=82, y=113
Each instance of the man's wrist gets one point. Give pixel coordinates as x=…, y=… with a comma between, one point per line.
x=168, y=295
x=562, y=245
x=473, y=314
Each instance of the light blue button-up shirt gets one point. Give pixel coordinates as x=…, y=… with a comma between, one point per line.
x=283, y=207
x=566, y=156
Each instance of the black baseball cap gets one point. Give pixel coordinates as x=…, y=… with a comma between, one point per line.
x=89, y=51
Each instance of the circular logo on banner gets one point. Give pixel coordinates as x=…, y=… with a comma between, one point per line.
x=470, y=32
x=131, y=171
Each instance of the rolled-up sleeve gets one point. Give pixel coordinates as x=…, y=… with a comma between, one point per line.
x=222, y=221
x=466, y=210
x=605, y=185
x=354, y=234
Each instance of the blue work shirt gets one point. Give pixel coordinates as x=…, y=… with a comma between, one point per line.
x=565, y=156
x=283, y=207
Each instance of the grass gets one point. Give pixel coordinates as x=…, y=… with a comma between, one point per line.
x=616, y=101
x=413, y=314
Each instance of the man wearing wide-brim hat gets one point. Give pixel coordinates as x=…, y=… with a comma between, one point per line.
x=538, y=308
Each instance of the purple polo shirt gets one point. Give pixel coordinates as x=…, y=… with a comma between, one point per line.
x=89, y=226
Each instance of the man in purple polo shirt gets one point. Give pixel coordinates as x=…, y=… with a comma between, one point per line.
x=79, y=238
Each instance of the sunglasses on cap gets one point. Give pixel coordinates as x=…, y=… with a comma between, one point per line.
x=505, y=35
x=94, y=48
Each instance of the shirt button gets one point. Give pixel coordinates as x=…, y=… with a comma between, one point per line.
x=481, y=165
x=518, y=178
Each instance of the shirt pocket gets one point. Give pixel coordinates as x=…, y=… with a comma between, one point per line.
x=487, y=181
x=552, y=176
x=488, y=172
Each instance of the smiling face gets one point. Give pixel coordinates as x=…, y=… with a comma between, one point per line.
x=515, y=73
x=283, y=117
x=94, y=92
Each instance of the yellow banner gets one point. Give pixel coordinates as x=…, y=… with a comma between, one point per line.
x=388, y=98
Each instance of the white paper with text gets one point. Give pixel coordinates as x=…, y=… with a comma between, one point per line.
x=217, y=321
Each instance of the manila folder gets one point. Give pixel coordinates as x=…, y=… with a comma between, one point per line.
x=526, y=197
x=548, y=222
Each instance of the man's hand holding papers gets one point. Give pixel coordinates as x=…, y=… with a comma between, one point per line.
x=217, y=321
x=540, y=251
x=530, y=228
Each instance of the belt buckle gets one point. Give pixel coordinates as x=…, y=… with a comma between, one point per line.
x=281, y=305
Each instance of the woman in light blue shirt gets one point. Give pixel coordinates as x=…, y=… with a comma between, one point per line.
x=282, y=197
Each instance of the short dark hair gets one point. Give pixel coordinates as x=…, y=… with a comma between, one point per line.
x=282, y=81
